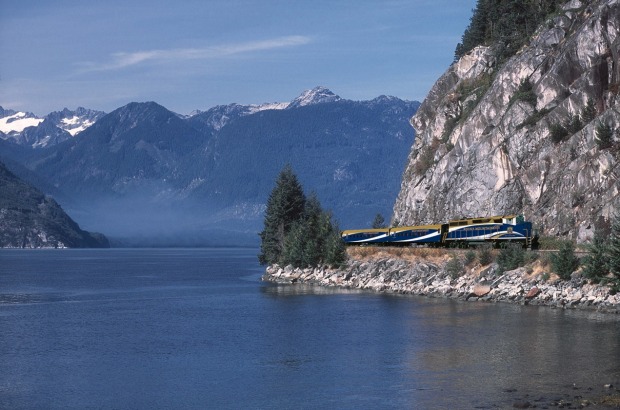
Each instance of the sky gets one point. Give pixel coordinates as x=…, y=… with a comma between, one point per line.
x=196, y=54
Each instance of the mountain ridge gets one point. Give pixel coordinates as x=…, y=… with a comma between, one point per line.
x=143, y=163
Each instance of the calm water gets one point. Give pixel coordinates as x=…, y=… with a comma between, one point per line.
x=197, y=329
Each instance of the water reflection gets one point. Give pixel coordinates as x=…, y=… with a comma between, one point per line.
x=534, y=350
x=279, y=290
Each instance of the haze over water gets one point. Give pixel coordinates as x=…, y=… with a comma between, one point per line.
x=195, y=328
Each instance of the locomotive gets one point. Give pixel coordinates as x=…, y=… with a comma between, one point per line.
x=457, y=233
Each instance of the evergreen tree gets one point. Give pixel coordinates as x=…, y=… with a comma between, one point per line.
x=573, y=124
x=378, y=222
x=564, y=262
x=335, y=250
x=557, y=133
x=285, y=207
x=313, y=235
x=604, y=135
x=588, y=113
x=311, y=240
x=505, y=24
x=294, y=247
x=595, y=264
x=613, y=251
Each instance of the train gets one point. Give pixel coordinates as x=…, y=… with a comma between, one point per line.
x=497, y=231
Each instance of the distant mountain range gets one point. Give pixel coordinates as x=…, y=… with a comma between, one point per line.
x=26, y=128
x=145, y=174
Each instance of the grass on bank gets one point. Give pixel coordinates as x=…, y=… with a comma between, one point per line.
x=460, y=262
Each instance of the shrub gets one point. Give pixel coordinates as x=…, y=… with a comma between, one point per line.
x=525, y=93
x=557, y=133
x=485, y=256
x=536, y=116
x=470, y=257
x=573, y=124
x=511, y=257
x=564, y=262
x=595, y=263
x=454, y=267
x=588, y=113
x=425, y=160
x=549, y=243
x=449, y=127
x=604, y=135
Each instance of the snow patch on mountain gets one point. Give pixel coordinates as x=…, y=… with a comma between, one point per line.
x=18, y=122
x=27, y=129
x=254, y=108
x=75, y=124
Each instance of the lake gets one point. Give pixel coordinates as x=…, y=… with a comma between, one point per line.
x=196, y=328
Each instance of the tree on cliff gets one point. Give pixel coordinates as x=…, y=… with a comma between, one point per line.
x=506, y=24
x=298, y=231
x=285, y=206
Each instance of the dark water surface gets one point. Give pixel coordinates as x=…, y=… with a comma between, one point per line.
x=195, y=328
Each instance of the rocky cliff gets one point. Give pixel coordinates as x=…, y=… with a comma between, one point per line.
x=487, y=134
x=30, y=219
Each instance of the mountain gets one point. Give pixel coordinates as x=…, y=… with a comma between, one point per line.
x=30, y=219
x=145, y=171
x=27, y=129
x=528, y=133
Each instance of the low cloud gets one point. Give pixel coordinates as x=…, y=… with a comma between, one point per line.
x=121, y=60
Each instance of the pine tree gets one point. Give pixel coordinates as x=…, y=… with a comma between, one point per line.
x=613, y=250
x=564, y=262
x=313, y=235
x=285, y=207
x=588, y=113
x=595, y=264
x=294, y=247
x=505, y=24
x=378, y=222
x=604, y=135
x=334, y=249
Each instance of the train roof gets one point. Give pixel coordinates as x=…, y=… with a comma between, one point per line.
x=371, y=230
x=407, y=228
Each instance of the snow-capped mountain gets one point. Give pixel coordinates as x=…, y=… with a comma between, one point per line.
x=317, y=95
x=217, y=117
x=15, y=122
x=25, y=128
x=144, y=168
x=76, y=121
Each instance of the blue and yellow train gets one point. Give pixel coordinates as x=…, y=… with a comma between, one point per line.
x=457, y=233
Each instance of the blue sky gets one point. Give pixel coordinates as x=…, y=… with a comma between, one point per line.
x=189, y=55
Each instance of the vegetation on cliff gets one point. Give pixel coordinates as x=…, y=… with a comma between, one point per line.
x=505, y=24
x=297, y=230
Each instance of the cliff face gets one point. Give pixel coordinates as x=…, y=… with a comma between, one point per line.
x=484, y=142
x=29, y=219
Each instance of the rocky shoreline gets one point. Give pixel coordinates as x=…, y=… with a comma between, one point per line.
x=431, y=278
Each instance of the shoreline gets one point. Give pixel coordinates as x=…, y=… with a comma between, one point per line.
x=430, y=277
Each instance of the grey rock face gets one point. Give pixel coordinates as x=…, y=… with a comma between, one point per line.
x=483, y=148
